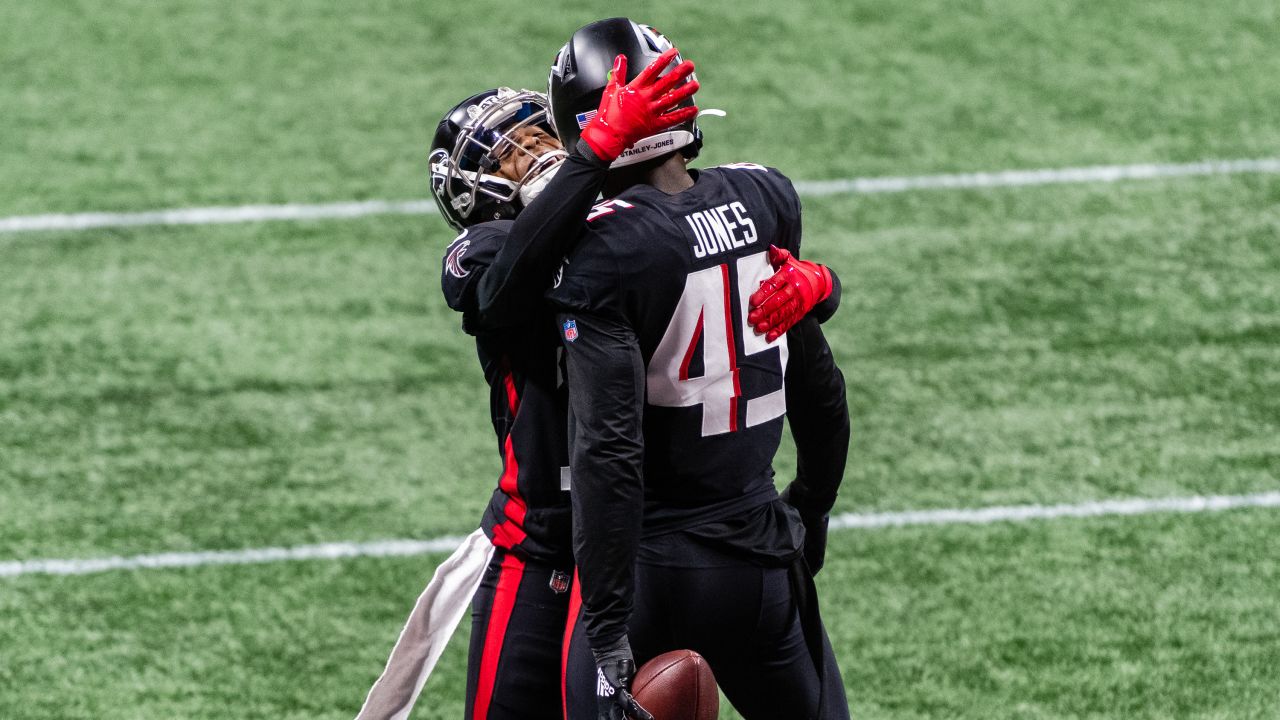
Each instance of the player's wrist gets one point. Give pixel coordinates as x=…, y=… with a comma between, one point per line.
x=619, y=649
x=816, y=277
x=810, y=505
x=825, y=283
x=604, y=144
x=584, y=150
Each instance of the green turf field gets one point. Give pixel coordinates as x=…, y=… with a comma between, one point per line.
x=169, y=389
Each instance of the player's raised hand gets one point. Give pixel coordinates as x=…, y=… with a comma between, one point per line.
x=788, y=294
x=640, y=108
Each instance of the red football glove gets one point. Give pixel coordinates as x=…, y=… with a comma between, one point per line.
x=632, y=112
x=784, y=298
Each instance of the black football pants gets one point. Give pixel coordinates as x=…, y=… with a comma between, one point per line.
x=514, y=667
x=742, y=618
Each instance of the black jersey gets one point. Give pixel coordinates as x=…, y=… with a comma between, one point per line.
x=678, y=271
x=495, y=273
x=678, y=403
x=529, y=510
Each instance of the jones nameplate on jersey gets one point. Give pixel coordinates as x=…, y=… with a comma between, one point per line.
x=721, y=229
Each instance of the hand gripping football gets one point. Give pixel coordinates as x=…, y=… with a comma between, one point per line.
x=678, y=685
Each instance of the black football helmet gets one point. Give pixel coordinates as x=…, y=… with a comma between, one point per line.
x=581, y=70
x=470, y=142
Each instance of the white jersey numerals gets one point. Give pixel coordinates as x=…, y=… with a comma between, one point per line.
x=705, y=313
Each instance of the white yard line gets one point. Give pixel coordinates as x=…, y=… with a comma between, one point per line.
x=1023, y=178
x=394, y=548
x=1022, y=513
x=215, y=215
x=327, y=551
x=811, y=188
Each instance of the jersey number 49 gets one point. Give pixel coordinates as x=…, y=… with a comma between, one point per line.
x=706, y=313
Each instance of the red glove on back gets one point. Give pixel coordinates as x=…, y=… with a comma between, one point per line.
x=788, y=295
x=629, y=113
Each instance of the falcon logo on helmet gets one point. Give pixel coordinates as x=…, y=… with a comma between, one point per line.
x=471, y=144
x=581, y=70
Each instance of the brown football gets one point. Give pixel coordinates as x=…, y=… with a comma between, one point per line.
x=677, y=685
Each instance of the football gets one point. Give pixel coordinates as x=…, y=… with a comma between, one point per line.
x=677, y=685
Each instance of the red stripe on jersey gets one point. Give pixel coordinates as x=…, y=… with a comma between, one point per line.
x=504, y=603
x=513, y=398
x=733, y=351
x=575, y=606
x=516, y=507
x=507, y=534
x=693, y=345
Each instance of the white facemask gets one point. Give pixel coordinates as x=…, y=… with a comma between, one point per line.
x=532, y=188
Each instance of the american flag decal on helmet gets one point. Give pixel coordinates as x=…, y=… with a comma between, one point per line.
x=584, y=118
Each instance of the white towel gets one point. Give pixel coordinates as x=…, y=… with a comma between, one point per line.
x=434, y=618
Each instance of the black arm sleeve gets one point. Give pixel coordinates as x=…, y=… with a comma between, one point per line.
x=819, y=416
x=606, y=398
x=539, y=239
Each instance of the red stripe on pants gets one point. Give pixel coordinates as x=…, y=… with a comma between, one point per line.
x=575, y=605
x=504, y=603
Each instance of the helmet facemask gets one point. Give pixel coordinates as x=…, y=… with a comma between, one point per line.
x=496, y=134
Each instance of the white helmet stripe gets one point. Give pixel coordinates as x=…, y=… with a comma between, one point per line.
x=653, y=146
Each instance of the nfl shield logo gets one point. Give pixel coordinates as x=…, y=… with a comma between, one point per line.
x=559, y=581
x=570, y=330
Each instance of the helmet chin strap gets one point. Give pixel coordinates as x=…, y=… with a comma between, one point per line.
x=533, y=187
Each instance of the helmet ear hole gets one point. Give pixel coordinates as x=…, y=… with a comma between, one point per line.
x=693, y=149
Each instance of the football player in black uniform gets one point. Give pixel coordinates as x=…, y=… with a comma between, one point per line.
x=492, y=155
x=680, y=538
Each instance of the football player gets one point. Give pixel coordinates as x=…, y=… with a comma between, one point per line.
x=492, y=155
x=680, y=538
